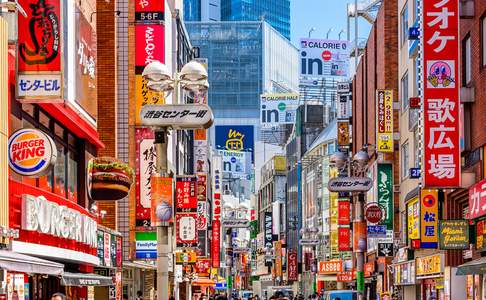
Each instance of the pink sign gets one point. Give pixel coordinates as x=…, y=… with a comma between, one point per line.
x=477, y=200
x=150, y=43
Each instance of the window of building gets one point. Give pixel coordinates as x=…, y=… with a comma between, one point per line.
x=404, y=91
x=404, y=24
x=416, y=149
x=483, y=39
x=466, y=66
x=62, y=179
x=404, y=160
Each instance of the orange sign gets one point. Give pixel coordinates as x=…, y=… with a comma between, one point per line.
x=347, y=276
x=203, y=267
x=200, y=134
x=369, y=268
x=161, y=194
x=330, y=267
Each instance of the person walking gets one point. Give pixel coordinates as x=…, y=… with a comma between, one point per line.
x=139, y=295
x=58, y=296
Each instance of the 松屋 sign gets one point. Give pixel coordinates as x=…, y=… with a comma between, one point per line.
x=39, y=214
x=429, y=218
x=441, y=83
x=384, y=125
x=177, y=116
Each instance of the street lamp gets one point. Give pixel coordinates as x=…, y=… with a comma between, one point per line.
x=193, y=77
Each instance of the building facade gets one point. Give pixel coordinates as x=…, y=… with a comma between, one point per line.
x=275, y=12
x=202, y=10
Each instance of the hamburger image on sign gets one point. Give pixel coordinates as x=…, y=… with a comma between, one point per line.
x=108, y=179
x=31, y=152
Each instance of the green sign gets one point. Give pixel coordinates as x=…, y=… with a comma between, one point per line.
x=253, y=229
x=229, y=282
x=453, y=234
x=385, y=193
x=360, y=281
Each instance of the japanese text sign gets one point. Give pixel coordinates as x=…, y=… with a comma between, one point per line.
x=454, y=234
x=413, y=219
x=149, y=10
x=330, y=267
x=215, y=243
x=161, y=195
x=344, y=212
x=145, y=168
x=347, y=276
x=177, y=116
x=384, y=125
x=441, y=93
x=186, y=231
x=292, y=270
x=385, y=192
x=429, y=218
x=477, y=200
x=186, y=198
x=149, y=39
x=203, y=266
x=144, y=96
x=344, y=239
x=428, y=265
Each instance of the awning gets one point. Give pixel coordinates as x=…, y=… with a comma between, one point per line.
x=139, y=265
x=477, y=266
x=16, y=262
x=322, y=277
x=204, y=282
x=85, y=279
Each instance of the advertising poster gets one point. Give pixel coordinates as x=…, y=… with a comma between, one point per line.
x=119, y=251
x=343, y=138
x=203, y=267
x=413, y=219
x=150, y=42
x=278, y=109
x=278, y=258
x=201, y=154
x=384, y=122
x=186, y=231
x=161, y=194
x=429, y=219
x=149, y=10
x=235, y=138
x=145, y=168
x=324, y=58
x=454, y=235
x=359, y=236
x=144, y=96
x=40, y=52
x=186, y=198
x=344, y=239
x=440, y=42
x=202, y=205
x=344, y=212
x=385, y=193
x=235, y=162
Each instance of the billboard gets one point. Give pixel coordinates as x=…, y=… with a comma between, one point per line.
x=39, y=52
x=278, y=109
x=235, y=162
x=149, y=39
x=440, y=44
x=324, y=58
x=161, y=195
x=235, y=138
x=145, y=168
x=384, y=121
x=186, y=198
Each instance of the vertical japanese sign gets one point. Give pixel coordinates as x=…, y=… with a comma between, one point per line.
x=344, y=212
x=385, y=193
x=145, y=168
x=216, y=222
x=278, y=259
x=149, y=39
x=384, y=126
x=413, y=219
x=161, y=194
x=268, y=230
x=292, y=270
x=477, y=200
x=149, y=10
x=441, y=93
x=39, y=52
x=201, y=151
x=107, y=249
x=344, y=239
x=429, y=219
x=186, y=199
x=186, y=232
x=202, y=213
x=144, y=96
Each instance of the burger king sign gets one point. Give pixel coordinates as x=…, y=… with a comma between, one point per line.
x=31, y=152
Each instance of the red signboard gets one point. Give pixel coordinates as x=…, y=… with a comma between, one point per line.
x=369, y=268
x=203, y=267
x=186, y=199
x=149, y=39
x=202, y=205
x=145, y=167
x=149, y=10
x=344, y=239
x=215, y=243
x=292, y=269
x=441, y=93
x=330, y=267
x=40, y=36
x=344, y=212
x=373, y=213
x=347, y=276
x=477, y=200
x=186, y=231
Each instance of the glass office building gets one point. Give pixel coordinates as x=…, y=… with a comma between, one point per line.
x=202, y=10
x=245, y=59
x=275, y=12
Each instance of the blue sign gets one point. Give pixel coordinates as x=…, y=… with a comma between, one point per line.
x=146, y=249
x=414, y=173
x=235, y=138
x=413, y=33
x=376, y=231
x=220, y=286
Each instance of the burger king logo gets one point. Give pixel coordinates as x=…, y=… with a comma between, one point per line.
x=31, y=152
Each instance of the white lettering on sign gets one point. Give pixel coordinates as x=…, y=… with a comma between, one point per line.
x=39, y=214
x=149, y=44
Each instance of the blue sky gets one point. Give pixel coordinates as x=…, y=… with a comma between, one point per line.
x=321, y=15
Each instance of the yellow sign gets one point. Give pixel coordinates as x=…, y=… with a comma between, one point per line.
x=279, y=163
x=428, y=265
x=278, y=259
x=144, y=96
x=429, y=219
x=384, y=122
x=413, y=219
x=186, y=257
